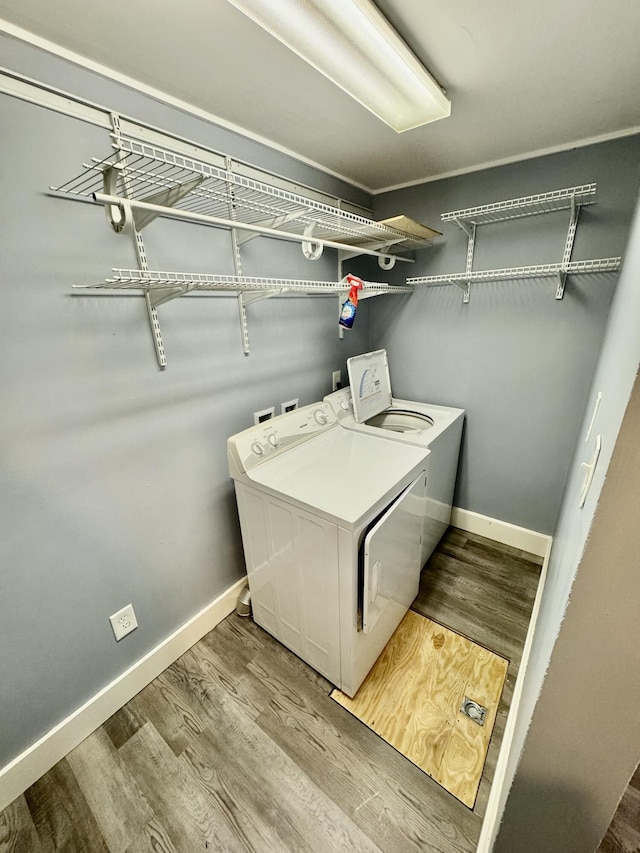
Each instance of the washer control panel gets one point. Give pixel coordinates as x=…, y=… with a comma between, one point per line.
x=270, y=438
x=340, y=402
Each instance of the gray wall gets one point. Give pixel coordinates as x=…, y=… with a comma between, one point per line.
x=516, y=359
x=113, y=480
x=583, y=743
x=113, y=475
x=23, y=58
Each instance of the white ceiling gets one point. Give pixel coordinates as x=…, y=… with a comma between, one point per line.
x=523, y=76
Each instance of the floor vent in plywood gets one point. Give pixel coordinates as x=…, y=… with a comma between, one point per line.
x=413, y=699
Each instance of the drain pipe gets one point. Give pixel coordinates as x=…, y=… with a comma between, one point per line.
x=243, y=606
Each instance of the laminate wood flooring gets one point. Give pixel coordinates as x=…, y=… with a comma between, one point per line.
x=623, y=835
x=238, y=747
x=485, y=591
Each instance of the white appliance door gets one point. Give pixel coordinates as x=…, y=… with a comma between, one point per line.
x=392, y=561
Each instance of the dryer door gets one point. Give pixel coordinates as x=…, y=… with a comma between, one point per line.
x=392, y=556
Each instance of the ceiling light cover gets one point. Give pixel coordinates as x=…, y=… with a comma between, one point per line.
x=351, y=43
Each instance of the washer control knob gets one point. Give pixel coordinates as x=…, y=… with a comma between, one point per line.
x=257, y=448
x=344, y=405
x=321, y=416
x=274, y=439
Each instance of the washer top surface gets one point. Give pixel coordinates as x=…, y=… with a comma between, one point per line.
x=341, y=473
x=404, y=420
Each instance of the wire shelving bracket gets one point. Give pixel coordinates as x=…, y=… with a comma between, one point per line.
x=182, y=283
x=159, y=287
x=123, y=221
x=570, y=198
x=516, y=208
x=163, y=182
x=140, y=181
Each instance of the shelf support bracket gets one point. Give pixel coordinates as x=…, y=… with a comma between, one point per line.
x=562, y=282
x=568, y=247
x=141, y=253
x=276, y=222
x=155, y=332
x=236, y=239
x=470, y=231
x=167, y=198
x=468, y=228
x=244, y=328
x=160, y=295
x=465, y=287
x=260, y=295
x=245, y=299
x=344, y=255
x=238, y=236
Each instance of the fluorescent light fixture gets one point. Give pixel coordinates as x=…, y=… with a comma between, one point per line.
x=352, y=43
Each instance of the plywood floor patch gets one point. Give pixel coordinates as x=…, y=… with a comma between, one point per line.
x=413, y=695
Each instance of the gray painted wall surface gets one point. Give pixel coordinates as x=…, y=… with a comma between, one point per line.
x=516, y=359
x=113, y=475
x=582, y=761
x=26, y=59
x=584, y=740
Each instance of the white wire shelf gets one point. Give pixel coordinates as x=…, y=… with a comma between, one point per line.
x=187, y=282
x=569, y=198
x=595, y=265
x=530, y=205
x=144, y=172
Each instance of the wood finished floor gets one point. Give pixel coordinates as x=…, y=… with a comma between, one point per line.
x=238, y=747
x=623, y=835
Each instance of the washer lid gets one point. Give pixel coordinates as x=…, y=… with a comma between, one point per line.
x=370, y=384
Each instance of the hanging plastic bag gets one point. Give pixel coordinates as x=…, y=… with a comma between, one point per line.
x=348, y=312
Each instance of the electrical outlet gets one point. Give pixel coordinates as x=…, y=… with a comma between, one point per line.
x=264, y=415
x=336, y=380
x=289, y=406
x=123, y=622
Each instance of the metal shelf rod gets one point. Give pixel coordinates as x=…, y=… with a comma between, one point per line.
x=175, y=213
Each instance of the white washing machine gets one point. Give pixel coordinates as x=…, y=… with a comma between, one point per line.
x=331, y=524
x=368, y=407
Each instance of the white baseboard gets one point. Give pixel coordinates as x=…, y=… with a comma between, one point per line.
x=501, y=531
x=501, y=785
x=41, y=756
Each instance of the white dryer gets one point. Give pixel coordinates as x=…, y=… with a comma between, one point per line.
x=368, y=407
x=331, y=523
